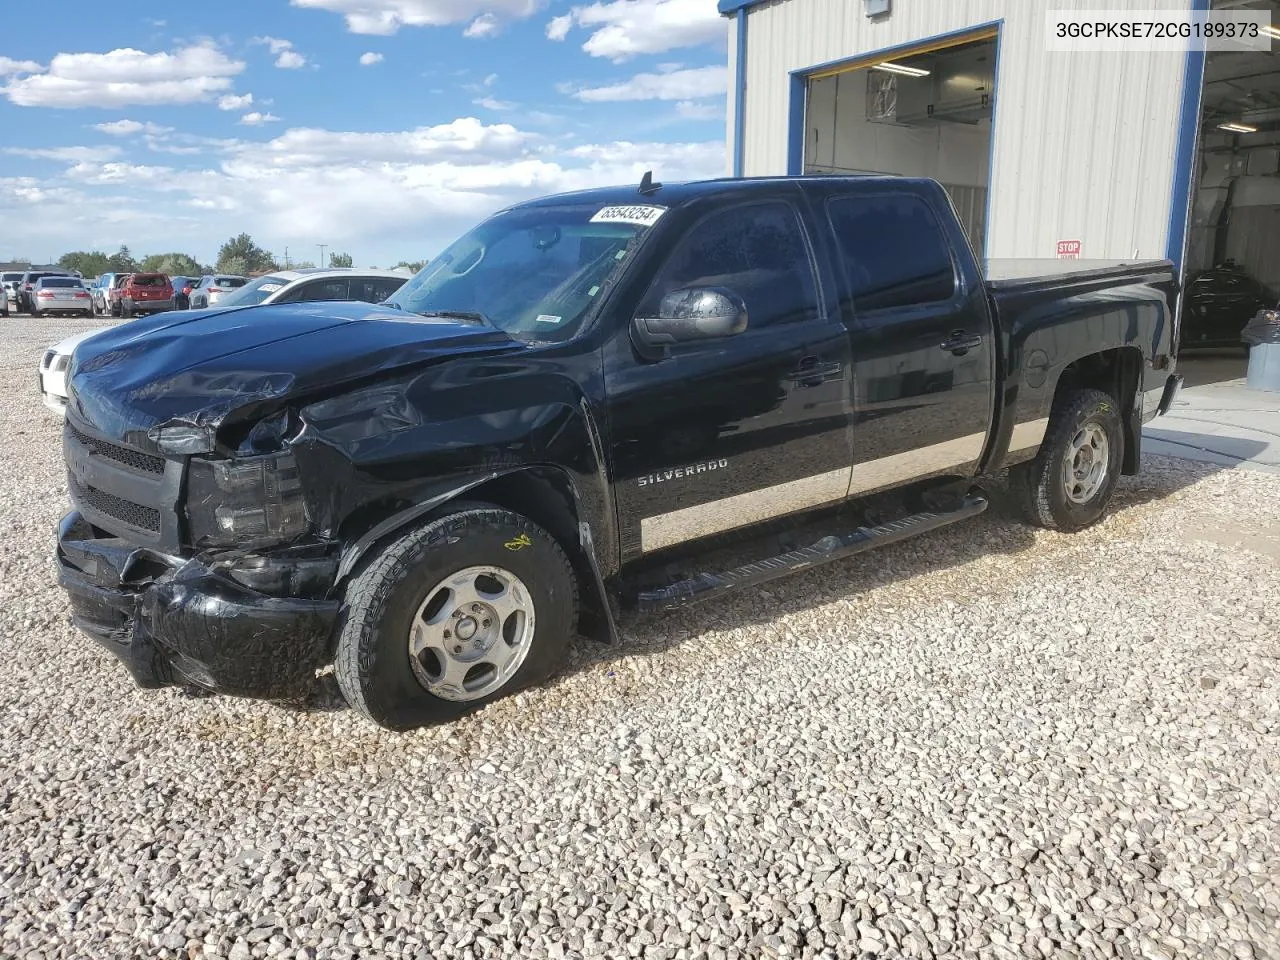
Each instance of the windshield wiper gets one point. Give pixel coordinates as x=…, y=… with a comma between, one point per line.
x=471, y=315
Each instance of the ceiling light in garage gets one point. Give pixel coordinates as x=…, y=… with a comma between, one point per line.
x=902, y=69
x=1237, y=128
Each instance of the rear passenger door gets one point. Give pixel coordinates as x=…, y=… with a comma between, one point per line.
x=316, y=290
x=723, y=433
x=374, y=289
x=920, y=333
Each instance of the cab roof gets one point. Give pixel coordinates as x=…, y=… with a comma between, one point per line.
x=676, y=194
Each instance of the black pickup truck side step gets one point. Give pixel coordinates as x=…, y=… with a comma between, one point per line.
x=831, y=547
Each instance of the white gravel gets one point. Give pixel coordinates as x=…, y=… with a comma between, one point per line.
x=990, y=742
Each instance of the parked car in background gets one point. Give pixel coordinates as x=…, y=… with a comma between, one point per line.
x=298, y=286
x=26, y=300
x=111, y=294
x=145, y=293
x=182, y=287
x=1219, y=303
x=65, y=295
x=53, y=371
x=9, y=292
x=213, y=287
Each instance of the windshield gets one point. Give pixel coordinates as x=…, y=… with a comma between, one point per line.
x=533, y=272
x=253, y=292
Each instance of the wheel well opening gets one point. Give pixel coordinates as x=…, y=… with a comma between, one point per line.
x=1115, y=372
x=546, y=497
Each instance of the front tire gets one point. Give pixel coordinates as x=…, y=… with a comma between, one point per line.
x=1070, y=482
x=457, y=613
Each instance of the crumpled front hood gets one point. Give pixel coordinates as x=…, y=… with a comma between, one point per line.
x=202, y=367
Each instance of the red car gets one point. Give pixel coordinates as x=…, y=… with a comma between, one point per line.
x=146, y=293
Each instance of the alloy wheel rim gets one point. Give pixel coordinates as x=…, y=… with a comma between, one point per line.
x=1084, y=468
x=472, y=633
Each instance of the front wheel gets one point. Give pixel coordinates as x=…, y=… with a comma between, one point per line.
x=459, y=612
x=1070, y=482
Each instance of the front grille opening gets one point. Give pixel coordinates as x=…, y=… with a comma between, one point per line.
x=126, y=511
x=130, y=458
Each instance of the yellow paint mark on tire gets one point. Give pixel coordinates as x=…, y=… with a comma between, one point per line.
x=519, y=543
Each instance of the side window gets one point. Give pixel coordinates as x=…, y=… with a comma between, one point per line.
x=322, y=290
x=894, y=252
x=757, y=251
x=373, y=289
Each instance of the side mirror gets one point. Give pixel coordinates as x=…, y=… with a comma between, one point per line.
x=695, y=313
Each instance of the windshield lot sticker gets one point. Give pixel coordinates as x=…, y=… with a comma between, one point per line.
x=639, y=214
x=546, y=318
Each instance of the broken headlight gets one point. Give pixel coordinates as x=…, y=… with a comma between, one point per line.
x=245, y=500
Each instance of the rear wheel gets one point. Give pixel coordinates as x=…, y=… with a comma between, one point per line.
x=1071, y=480
x=459, y=612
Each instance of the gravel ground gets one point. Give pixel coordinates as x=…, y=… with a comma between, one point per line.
x=989, y=742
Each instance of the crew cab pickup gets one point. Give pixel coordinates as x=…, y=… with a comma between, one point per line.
x=614, y=396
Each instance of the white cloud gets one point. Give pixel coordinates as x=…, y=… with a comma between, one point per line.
x=233, y=102
x=256, y=119
x=125, y=76
x=385, y=17
x=127, y=128
x=490, y=80
x=67, y=154
x=558, y=28
x=676, y=85
x=370, y=58
x=485, y=25
x=9, y=67
x=493, y=103
x=626, y=28
x=287, y=58
x=688, y=110
x=385, y=192
x=275, y=43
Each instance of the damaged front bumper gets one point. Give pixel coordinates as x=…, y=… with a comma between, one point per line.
x=173, y=620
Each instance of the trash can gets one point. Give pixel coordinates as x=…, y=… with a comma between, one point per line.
x=1263, y=336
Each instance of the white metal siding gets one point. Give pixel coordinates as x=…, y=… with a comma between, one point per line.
x=1083, y=144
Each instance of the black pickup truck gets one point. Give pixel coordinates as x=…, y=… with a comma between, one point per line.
x=646, y=396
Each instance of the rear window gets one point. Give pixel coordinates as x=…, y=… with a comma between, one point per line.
x=60, y=282
x=893, y=251
x=9, y=277
x=149, y=280
x=229, y=281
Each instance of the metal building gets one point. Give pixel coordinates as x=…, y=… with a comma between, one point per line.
x=1094, y=155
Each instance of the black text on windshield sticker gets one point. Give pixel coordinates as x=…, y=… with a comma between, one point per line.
x=641, y=215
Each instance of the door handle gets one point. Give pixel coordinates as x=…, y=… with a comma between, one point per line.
x=960, y=342
x=812, y=372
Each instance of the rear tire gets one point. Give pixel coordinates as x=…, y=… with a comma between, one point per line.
x=1070, y=482
x=391, y=608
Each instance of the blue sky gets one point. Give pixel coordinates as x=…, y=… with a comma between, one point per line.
x=378, y=127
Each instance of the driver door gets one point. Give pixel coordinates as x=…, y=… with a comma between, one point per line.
x=723, y=433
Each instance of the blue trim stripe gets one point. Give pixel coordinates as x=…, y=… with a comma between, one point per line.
x=795, y=124
x=740, y=94
x=728, y=8
x=991, y=144
x=1184, y=155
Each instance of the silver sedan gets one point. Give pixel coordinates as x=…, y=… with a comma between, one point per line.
x=60, y=295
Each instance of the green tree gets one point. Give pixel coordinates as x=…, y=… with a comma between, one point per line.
x=122, y=261
x=241, y=255
x=90, y=263
x=174, y=264
x=414, y=265
x=337, y=260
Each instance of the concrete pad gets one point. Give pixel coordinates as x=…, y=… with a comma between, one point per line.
x=1219, y=420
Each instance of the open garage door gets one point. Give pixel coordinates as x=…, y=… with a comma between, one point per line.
x=1233, y=249
x=926, y=112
